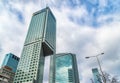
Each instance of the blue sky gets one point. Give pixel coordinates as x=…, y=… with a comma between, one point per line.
x=84, y=27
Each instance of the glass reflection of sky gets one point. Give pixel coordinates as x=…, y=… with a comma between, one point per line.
x=63, y=63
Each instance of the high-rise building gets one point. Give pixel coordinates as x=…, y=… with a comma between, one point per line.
x=96, y=74
x=66, y=70
x=11, y=61
x=40, y=42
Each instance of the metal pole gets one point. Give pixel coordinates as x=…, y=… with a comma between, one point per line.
x=103, y=77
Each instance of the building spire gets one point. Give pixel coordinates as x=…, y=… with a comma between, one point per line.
x=46, y=3
x=42, y=3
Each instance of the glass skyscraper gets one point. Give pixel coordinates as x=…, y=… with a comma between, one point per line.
x=97, y=78
x=40, y=42
x=66, y=70
x=11, y=61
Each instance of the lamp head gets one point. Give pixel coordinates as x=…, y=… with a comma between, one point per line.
x=87, y=57
x=102, y=53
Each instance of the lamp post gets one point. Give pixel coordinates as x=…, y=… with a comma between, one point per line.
x=103, y=77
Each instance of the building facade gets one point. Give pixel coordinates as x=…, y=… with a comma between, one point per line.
x=40, y=42
x=11, y=61
x=66, y=70
x=6, y=75
x=96, y=75
x=70, y=75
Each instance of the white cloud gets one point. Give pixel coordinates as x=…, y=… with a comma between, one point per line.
x=71, y=36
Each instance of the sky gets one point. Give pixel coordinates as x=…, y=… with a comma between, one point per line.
x=84, y=27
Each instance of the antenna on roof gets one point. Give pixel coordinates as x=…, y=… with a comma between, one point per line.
x=46, y=3
x=42, y=3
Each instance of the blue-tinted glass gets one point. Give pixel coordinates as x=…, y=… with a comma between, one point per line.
x=11, y=61
x=63, y=64
x=66, y=68
x=36, y=28
x=50, y=35
x=97, y=78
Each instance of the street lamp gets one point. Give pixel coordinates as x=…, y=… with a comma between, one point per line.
x=103, y=77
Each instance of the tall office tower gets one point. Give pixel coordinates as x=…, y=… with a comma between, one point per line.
x=40, y=42
x=97, y=78
x=11, y=61
x=66, y=70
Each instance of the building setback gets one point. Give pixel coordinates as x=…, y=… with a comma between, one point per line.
x=40, y=42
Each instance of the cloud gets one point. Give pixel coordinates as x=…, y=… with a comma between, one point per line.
x=95, y=10
x=84, y=28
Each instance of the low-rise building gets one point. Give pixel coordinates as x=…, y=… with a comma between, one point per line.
x=6, y=75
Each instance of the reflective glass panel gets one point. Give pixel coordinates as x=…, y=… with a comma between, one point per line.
x=64, y=70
